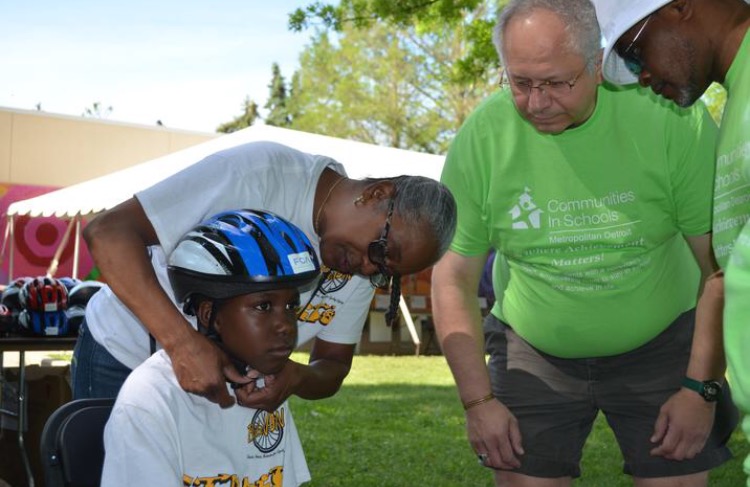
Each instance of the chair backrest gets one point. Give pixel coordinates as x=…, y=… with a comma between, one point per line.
x=72, y=443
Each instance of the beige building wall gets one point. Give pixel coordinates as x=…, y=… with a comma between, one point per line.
x=39, y=148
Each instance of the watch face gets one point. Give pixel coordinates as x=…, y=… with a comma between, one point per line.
x=711, y=390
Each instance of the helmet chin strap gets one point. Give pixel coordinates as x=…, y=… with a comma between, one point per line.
x=211, y=333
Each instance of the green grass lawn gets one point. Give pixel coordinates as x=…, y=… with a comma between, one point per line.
x=397, y=422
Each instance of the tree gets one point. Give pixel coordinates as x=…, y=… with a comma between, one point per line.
x=278, y=114
x=398, y=83
x=249, y=116
x=391, y=86
x=445, y=14
x=96, y=110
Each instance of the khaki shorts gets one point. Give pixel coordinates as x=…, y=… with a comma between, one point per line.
x=556, y=401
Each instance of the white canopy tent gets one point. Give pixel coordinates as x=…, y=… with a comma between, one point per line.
x=96, y=195
x=99, y=194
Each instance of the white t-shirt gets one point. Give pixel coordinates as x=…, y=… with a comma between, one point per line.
x=159, y=434
x=258, y=175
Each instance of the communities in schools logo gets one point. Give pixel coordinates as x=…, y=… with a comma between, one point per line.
x=526, y=214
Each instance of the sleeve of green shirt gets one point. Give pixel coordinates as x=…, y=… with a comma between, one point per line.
x=691, y=142
x=461, y=173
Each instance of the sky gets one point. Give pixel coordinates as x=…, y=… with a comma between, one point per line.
x=188, y=63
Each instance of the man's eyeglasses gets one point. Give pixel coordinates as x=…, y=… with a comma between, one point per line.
x=555, y=89
x=631, y=56
x=377, y=252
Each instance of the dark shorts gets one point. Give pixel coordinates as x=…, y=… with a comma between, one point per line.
x=557, y=400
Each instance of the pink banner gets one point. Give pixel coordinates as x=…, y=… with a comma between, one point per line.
x=37, y=238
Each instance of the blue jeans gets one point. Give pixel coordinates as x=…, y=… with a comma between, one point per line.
x=94, y=372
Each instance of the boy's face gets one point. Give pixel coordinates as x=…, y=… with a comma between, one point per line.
x=260, y=328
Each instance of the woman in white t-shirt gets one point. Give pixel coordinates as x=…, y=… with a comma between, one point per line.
x=366, y=233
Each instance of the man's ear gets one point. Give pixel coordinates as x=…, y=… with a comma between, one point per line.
x=598, y=76
x=679, y=9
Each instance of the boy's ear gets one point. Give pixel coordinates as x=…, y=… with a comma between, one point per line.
x=203, y=313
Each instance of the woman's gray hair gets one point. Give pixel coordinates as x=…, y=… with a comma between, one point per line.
x=579, y=17
x=423, y=201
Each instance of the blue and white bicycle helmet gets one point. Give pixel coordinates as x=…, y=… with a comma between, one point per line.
x=240, y=252
x=43, y=323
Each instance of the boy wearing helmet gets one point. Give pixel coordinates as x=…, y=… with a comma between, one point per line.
x=238, y=273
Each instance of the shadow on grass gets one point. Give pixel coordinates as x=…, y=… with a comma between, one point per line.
x=406, y=435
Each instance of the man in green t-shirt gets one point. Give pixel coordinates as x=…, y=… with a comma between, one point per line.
x=679, y=48
x=598, y=202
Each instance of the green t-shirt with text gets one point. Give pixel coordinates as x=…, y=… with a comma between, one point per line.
x=732, y=205
x=589, y=223
x=732, y=185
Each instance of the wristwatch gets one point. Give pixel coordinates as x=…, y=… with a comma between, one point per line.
x=709, y=390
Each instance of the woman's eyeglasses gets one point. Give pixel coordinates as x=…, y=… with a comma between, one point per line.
x=377, y=252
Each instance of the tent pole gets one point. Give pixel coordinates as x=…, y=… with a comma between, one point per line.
x=11, y=248
x=5, y=240
x=406, y=314
x=76, y=245
x=52, y=269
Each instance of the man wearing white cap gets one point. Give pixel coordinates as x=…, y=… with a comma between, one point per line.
x=679, y=48
x=594, y=198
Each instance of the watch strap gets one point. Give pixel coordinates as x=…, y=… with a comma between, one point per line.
x=709, y=390
x=693, y=385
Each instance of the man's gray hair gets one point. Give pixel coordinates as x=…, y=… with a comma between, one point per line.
x=579, y=17
x=424, y=201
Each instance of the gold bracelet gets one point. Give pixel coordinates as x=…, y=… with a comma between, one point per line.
x=477, y=402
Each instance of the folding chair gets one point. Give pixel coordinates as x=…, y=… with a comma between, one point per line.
x=72, y=443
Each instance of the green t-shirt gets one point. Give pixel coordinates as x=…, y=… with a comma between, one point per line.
x=589, y=223
x=737, y=328
x=735, y=139
x=732, y=185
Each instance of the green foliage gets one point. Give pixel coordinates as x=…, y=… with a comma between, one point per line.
x=715, y=98
x=278, y=114
x=248, y=117
x=399, y=87
x=362, y=13
x=63, y=356
x=397, y=422
x=404, y=74
x=438, y=15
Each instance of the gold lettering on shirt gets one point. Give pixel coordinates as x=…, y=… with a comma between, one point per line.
x=269, y=424
x=274, y=478
x=322, y=313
